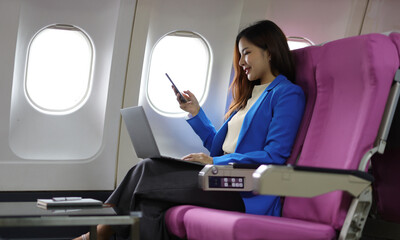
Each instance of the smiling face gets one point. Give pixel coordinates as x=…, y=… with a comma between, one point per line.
x=255, y=62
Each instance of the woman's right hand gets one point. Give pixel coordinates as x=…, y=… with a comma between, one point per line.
x=191, y=105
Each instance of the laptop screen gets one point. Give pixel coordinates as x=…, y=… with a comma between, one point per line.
x=140, y=132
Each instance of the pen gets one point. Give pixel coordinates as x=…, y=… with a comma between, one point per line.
x=56, y=199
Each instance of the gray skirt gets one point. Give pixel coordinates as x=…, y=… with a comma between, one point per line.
x=155, y=185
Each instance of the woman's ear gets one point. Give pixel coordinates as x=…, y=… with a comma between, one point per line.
x=268, y=55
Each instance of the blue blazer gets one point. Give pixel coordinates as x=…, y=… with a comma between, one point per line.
x=266, y=137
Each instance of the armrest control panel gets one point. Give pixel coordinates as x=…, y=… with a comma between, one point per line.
x=225, y=178
x=225, y=182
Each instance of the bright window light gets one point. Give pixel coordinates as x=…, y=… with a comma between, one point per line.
x=185, y=56
x=298, y=42
x=59, y=69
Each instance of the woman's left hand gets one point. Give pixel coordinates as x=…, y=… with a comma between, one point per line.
x=198, y=157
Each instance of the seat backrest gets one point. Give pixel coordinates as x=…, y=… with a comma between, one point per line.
x=353, y=77
x=305, y=78
x=386, y=167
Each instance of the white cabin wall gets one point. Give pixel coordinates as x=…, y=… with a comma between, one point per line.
x=9, y=20
x=325, y=20
x=126, y=154
x=318, y=20
x=382, y=16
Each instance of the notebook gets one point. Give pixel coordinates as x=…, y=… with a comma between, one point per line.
x=69, y=202
x=141, y=135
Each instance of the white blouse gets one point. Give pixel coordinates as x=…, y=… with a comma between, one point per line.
x=235, y=124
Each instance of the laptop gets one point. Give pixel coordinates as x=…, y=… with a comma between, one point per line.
x=141, y=135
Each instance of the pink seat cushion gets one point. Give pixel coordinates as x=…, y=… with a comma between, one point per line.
x=174, y=220
x=205, y=223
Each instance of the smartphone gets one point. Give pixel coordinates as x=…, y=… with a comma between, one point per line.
x=181, y=97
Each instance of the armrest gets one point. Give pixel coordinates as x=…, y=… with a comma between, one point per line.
x=308, y=181
x=234, y=177
x=253, y=166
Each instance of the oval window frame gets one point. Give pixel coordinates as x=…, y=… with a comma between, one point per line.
x=89, y=72
x=178, y=81
x=300, y=40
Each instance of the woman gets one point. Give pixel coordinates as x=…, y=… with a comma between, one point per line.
x=260, y=127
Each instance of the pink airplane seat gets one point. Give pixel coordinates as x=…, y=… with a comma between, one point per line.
x=385, y=216
x=305, y=78
x=347, y=84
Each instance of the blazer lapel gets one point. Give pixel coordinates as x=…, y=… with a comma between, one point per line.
x=252, y=111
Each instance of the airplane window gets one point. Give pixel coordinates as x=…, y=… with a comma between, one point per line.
x=59, y=69
x=298, y=42
x=186, y=57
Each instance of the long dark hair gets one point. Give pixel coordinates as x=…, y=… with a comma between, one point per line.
x=267, y=36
